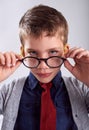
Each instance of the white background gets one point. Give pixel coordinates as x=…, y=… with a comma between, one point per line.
x=75, y=11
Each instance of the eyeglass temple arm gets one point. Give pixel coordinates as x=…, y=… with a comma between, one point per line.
x=20, y=60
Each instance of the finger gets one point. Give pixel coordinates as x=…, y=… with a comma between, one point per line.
x=2, y=59
x=84, y=53
x=70, y=51
x=13, y=58
x=74, y=52
x=16, y=66
x=7, y=59
x=68, y=66
x=18, y=56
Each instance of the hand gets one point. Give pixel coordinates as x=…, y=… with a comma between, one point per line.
x=81, y=68
x=8, y=64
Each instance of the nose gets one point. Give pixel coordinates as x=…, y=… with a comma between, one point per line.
x=42, y=65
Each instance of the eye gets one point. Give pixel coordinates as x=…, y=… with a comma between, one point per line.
x=53, y=52
x=32, y=53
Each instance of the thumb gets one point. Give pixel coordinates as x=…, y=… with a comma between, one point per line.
x=14, y=68
x=68, y=66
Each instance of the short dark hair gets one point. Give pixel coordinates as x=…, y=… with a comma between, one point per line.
x=41, y=19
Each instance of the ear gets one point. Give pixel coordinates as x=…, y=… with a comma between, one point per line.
x=66, y=49
x=22, y=51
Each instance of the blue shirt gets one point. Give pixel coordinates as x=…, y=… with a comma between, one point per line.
x=29, y=109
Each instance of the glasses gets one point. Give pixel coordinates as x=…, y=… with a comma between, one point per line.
x=52, y=62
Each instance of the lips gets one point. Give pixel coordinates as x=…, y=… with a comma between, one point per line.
x=43, y=75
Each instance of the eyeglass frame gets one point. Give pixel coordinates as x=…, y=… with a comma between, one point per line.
x=42, y=59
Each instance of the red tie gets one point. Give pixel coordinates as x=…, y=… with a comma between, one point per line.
x=48, y=111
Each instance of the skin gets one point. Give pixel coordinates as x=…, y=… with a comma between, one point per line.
x=44, y=47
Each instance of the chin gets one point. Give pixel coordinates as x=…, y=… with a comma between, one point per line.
x=45, y=80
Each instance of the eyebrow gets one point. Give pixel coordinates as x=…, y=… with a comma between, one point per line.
x=55, y=48
x=28, y=49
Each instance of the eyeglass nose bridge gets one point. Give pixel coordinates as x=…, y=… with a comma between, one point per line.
x=43, y=59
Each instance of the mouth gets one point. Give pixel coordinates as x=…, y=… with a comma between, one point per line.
x=44, y=75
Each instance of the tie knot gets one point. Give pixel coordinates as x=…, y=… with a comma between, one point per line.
x=46, y=86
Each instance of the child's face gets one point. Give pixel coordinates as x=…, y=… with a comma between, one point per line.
x=44, y=47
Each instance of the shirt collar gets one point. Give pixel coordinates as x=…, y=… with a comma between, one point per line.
x=57, y=79
x=32, y=81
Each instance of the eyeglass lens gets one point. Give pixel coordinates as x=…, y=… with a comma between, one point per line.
x=34, y=62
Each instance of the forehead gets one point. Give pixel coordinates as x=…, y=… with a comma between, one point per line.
x=43, y=42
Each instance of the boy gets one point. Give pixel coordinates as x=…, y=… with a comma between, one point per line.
x=44, y=48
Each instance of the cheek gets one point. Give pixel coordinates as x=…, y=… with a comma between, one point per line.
x=33, y=71
x=63, y=53
x=54, y=71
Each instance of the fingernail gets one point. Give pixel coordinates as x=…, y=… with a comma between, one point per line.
x=14, y=64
